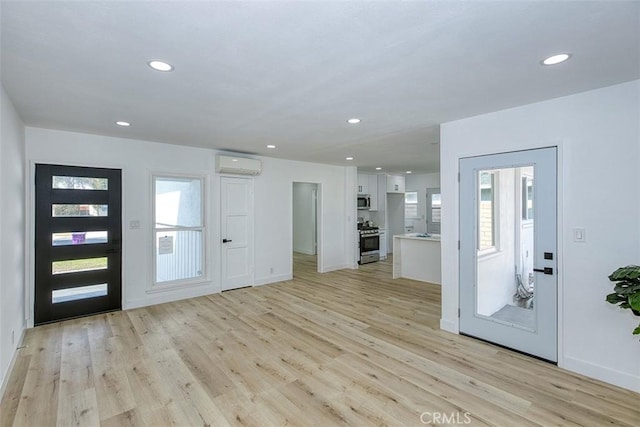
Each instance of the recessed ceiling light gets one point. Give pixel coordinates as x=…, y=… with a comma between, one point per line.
x=556, y=59
x=349, y=158
x=378, y=169
x=160, y=65
x=123, y=123
x=408, y=171
x=353, y=121
x=271, y=146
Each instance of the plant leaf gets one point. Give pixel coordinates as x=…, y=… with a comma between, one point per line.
x=634, y=301
x=630, y=272
x=636, y=331
x=614, y=298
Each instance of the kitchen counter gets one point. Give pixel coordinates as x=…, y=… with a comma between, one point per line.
x=417, y=256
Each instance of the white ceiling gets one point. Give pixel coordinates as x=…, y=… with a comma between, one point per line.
x=248, y=74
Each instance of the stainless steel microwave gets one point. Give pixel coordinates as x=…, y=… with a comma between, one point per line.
x=364, y=201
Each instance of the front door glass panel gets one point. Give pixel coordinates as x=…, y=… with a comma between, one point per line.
x=505, y=288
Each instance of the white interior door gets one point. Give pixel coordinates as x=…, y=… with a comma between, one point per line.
x=237, y=232
x=508, y=258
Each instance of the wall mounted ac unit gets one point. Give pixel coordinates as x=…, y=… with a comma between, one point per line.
x=238, y=165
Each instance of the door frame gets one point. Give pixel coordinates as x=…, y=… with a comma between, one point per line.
x=30, y=230
x=319, y=227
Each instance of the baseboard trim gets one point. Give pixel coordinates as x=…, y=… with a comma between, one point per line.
x=329, y=268
x=157, y=298
x=273, y=279
x=14, y=357
x=602, y=373
x=449, y=326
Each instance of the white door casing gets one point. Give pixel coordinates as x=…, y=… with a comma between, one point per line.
x=236, y=206
x=492, y=304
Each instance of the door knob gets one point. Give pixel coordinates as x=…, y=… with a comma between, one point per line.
x=546, y=270
x=226, y=240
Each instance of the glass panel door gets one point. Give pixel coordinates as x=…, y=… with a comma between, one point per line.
x=508, y=282
x=77, y=245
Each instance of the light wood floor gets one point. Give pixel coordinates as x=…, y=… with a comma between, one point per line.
x=341, y=348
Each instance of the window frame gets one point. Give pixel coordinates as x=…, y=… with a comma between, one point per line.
x=203, y=278
x=416, y=204
x=433, y=227
x=495, y=223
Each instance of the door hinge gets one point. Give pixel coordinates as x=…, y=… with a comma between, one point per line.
x=458, y=176
x=458, y=313
x=458, y=244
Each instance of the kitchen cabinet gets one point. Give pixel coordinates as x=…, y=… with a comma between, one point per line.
x=363, y=183
x=395, y=184
x=368, y=184
x=373, y=191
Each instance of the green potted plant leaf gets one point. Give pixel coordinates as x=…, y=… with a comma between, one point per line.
x=626, y=291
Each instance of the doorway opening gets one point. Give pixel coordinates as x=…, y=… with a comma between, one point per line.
x=305, y=216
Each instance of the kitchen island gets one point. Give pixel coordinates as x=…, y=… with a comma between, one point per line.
x=417, y=256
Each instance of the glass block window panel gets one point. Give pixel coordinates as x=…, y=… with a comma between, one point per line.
x=79, y=183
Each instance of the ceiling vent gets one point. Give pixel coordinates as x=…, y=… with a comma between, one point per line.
x=238, y=165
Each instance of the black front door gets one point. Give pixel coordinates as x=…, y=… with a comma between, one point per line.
x=78, y=240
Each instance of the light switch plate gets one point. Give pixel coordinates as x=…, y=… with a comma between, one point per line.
x=134, y=224
x=579, y=235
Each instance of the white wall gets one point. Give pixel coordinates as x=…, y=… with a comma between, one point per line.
x=420, y=183
x=598, y=134
x=304, y=224
x=272, y=201
x=12, y=230
x=395, y=217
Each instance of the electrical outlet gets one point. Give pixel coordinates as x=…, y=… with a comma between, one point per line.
x=134, y=224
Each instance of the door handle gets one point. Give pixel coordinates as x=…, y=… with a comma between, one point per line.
x=546, y=270
x=226, y=240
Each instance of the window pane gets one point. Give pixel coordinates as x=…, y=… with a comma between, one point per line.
x=411, y=197
x=79, y=238
x=82, y=292
x=486, y=211
x=178, y=202
x=80, y=183
x=435, y=200
x=75, y=265
x=410, y=211
x=79, y=210
x=435, y=214
x=178, y=255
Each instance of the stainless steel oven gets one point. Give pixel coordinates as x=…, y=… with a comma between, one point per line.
x=369, y=245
